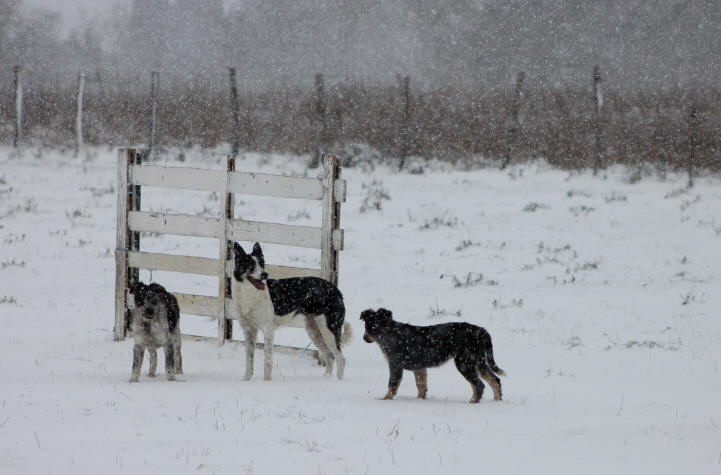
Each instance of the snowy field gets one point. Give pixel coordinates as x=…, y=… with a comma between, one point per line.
x=602, y=298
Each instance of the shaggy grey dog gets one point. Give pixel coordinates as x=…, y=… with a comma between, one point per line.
x=156, y=322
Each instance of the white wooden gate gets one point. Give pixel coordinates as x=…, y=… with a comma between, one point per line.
x=133, y=175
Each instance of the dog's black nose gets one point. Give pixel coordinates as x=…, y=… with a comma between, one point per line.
x=264, y=275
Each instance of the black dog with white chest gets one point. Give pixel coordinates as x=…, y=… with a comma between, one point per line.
x=416, y=348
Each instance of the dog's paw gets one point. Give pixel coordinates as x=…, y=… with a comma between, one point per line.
x=247, y=377
x=171, y=377
x=151, y=375
x=133, y=380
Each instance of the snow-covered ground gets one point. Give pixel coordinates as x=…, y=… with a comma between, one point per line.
x=602, y=298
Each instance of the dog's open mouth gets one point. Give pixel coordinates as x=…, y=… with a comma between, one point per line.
x=257, y=283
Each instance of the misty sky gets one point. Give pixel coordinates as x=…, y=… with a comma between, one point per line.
x=638, y=43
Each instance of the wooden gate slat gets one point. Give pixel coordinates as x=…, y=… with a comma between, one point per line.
x=173, y=263
x=181, y=224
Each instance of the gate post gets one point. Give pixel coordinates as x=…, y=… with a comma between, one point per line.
x=126, y=156
x=332, y=237
x=225, y=325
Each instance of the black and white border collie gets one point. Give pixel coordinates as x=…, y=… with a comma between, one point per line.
x=417, y=348
x=266, y=304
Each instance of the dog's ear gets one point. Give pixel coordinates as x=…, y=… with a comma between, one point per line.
x=365, y=314
x=385, y=314
x=238, y=250
x=136, y=287
x=257, y=251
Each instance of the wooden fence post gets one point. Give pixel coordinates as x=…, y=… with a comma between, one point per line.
x=692, y=144
x=405, y=131
x=154, y=85
x=331, y=219
x=135, y=206
x=599, y=103
x=513, y=124
x=79, y=114
x=236, y=119
x=321, y=113
x=225, y=325
x=123, y=242
x=18, y=137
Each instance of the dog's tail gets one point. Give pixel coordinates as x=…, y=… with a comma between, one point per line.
x=488, y=356
x=347, y=334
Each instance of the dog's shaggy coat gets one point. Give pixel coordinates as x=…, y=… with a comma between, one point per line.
x=156, y=322
x=417, y=348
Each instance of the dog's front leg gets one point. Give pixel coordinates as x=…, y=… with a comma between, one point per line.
x=169, y=361
x=268, y=353
x=138, y=354
x=394, y=381
x=251, y=335
x=153, y=355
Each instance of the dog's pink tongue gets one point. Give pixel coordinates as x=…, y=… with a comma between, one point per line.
x=257, y=283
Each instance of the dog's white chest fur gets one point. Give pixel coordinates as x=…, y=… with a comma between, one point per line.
x=256, y=307
x=149, y=332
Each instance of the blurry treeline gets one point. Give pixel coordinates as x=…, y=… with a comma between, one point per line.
x=658, y=59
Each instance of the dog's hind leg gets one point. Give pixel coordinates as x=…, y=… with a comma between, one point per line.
x=493, y=381
x=311, y=327
x=467, y=367
x=178, y=358
x=251, y=335
x=332, y=340
x=337, y=353
x=268, y=352
x=138, y=354
x=421, y=382
x=153, y=356
x=170, y=361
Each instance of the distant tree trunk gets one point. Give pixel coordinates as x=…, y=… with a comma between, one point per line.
x=79, y=114
x=154, y=85
x=322, y=119
x=692, y=144
x=599, y=103
x=18, y=137
x=236, y=119
x=513, y=123
x=405, y=130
